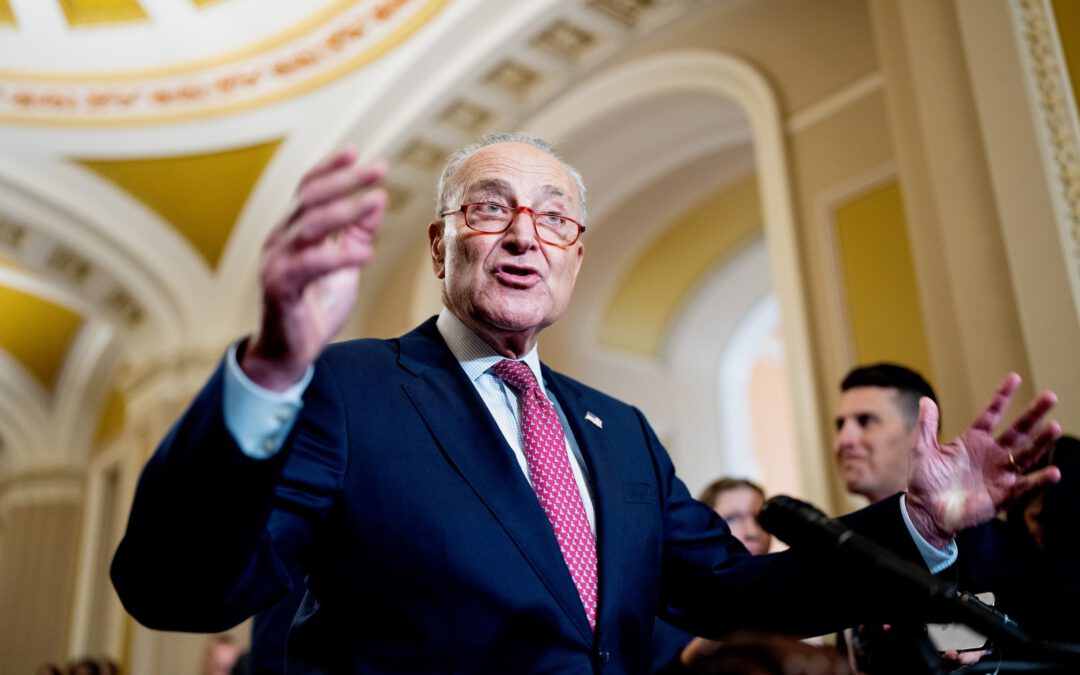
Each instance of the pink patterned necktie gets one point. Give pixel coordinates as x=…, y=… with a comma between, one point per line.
x=549, y=471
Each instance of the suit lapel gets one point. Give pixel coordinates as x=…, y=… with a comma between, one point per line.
x=472, y=442
x=612, y=550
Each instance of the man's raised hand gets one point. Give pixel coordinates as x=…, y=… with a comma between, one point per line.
x=966, y=481
x=310, y=267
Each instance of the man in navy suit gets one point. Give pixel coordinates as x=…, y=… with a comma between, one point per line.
x=401, y=475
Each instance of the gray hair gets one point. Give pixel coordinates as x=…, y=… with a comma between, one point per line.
x=449, y=185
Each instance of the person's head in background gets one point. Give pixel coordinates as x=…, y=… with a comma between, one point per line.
x=877, y=427
x=738, y=501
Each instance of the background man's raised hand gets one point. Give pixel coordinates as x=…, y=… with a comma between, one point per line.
x=966, y=481
x=311, y=265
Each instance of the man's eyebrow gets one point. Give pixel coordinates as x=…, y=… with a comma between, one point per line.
x=553, y=191
x=489, y=185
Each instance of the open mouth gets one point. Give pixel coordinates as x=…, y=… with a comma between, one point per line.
x=517, y=276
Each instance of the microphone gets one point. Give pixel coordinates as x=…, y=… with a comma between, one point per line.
x=801, y=524
x=798, y=523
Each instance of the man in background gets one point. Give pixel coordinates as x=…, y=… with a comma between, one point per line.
x=877, y=428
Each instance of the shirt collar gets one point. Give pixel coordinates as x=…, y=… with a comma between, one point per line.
x=475, y=355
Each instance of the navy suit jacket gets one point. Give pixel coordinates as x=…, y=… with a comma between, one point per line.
x=425, y=547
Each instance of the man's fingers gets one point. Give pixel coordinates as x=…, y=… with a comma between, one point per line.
x=1036, y=479
x=1016, y=435
x=991, y=414
x=928, y=422
x=340, y=159
x=299, y=268
x=362, y=210
x=338, y=176
x=340, y=182
x=1026, y=456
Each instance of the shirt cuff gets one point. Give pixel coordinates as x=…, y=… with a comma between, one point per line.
x=259, y=419
x=935, y=558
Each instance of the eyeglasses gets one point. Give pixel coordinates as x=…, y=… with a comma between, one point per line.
x=491, y=218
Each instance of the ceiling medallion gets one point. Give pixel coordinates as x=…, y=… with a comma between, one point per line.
x=347, y=40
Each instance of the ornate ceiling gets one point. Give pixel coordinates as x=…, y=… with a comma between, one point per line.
x=148, y=145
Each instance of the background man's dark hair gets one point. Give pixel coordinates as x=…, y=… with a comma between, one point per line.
x=911, y=385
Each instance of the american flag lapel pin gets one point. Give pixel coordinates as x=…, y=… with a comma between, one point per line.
x=594, y=419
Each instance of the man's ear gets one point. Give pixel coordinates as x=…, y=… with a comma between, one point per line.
x=437, y=247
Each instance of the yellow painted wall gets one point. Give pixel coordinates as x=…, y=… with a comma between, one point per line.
x=657, y=284
x=879, y=280
x=201, y=196
x=36, y=333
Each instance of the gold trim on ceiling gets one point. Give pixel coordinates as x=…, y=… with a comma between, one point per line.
x=190, y=95
x=262, y=46
x=81, y=13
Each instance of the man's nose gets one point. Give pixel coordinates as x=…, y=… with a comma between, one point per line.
x=522, y=232
x=847, y=434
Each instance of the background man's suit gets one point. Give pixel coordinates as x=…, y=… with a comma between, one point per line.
x=424, y=545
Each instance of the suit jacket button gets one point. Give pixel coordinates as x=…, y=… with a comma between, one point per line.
x=605, y=656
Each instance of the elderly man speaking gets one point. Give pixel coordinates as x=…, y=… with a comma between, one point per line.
x=456, y=505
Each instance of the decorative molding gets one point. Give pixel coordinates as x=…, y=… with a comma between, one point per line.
x=330, y=48
x=44, y=253
x=565, y=40
x=424, y=155
x=514, y=78
x=830, y=105
x=467, y=116
x=41, y=487
x=626, y=12
x=1056, y=110
x=12, y=234
x=68, y=264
